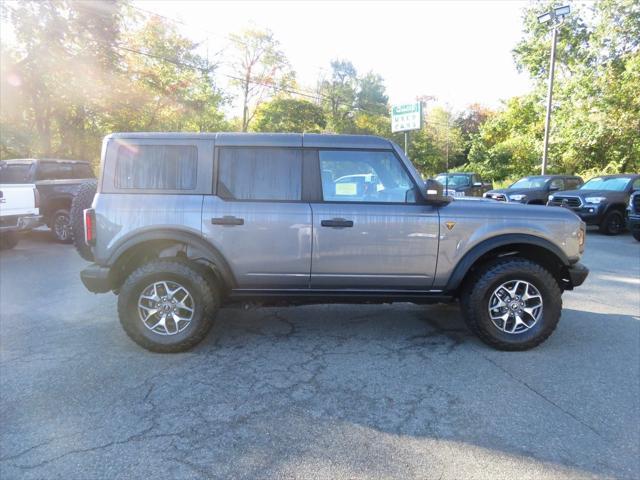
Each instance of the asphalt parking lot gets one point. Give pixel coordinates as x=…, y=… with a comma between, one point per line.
x=397, y=391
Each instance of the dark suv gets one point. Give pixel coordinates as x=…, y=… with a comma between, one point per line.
x=56, y=182
x=536, y=189
x=601, y=201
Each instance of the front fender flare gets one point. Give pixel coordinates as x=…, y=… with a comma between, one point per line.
x=471, y=257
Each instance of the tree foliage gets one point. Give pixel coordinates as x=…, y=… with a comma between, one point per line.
x=284, y=114
x=260, y=69
x=78, y=70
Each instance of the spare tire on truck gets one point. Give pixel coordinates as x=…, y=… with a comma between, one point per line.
x=81, y=201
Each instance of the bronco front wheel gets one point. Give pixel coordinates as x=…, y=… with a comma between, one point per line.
x=512, y=304
x=167, y=306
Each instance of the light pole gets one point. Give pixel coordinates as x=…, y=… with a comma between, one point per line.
x=555, y=18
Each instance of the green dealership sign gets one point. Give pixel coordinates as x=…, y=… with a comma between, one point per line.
x=406, y=117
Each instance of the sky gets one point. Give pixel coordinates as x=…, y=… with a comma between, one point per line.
x=457, y=51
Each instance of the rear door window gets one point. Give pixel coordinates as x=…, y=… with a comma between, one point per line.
x=270, y=174
x=557, y=184
x=156, y=167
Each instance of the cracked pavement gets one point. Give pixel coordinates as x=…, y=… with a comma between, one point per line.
x=326, y=391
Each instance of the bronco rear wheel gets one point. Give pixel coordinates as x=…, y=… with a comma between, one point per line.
x=512, y=304
x=167, y=305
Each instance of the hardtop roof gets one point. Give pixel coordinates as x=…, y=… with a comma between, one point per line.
x=315, y=140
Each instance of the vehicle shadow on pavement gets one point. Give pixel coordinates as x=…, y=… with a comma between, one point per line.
x=313, y=377
x=324, y=391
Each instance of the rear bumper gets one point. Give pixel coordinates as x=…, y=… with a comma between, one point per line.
x=96, y=279
x=27, y=222
x=578, y=274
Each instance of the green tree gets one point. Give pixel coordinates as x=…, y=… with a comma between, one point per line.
x=339, y=95
x=53, y=77
x=289, y=115
x=260, y=69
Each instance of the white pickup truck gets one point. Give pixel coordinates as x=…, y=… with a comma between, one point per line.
x=18, y=211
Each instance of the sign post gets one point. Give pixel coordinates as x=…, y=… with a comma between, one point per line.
x=406, y=117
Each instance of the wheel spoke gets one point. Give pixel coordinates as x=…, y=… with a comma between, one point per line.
x=515, y=306
x=166, y=307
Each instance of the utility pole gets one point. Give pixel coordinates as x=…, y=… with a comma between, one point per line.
x=556, y=18
x=547, y=120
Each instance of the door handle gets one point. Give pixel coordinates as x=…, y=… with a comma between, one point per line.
x=227, y=220
x=337, y=222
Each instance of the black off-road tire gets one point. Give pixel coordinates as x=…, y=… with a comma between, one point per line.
x=61, y=226
x=81, y=201
x=476, y=295
x=613, y=223
x=204, y=292
x=8, y=240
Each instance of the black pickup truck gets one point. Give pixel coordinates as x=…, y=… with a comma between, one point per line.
x=601, y=201
x=56, y=182
x=535, y=190
x=462, y=184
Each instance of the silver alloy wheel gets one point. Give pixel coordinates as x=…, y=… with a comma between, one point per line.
x=515, y=306
x=62, y=227
x=166, y=307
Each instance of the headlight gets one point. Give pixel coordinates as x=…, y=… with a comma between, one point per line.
x=595, y=200
x=517, y=198
x=549, y=198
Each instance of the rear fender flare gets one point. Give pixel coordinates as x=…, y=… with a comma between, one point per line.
x=194, y=247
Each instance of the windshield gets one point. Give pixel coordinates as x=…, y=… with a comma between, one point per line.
x=14, y=173
x=617, y=184
x=529, y=182
x=454, y=180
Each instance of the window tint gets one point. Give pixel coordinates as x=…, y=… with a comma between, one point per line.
x=572, y=183
x=15, y=173
x=54, y=171
x=260, y=173
x=636, y=184
x=557, y=184
x=361, y=176
x=82, y=170
x=157, y=167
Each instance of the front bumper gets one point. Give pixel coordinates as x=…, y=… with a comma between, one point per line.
x=633, y=223
x=27, y=222
x=590, y=214
x=577, y=274
x=96, y=279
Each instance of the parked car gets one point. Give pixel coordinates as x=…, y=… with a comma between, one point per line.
x=463, y=184
x=183, y=223
x=601, y=201
x=535, y=190
x=56, y=182
x=18, y=209
x=633, y=215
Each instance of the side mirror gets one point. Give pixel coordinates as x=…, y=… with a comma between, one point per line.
x=554, y=188
x=435, y=192
x=478, y=184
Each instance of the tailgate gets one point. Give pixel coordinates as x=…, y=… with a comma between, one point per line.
x=17, y=199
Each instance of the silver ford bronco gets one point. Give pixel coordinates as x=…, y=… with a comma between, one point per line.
x=184, y=223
